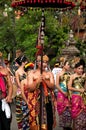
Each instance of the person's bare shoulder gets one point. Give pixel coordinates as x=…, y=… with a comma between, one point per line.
x=72, y=76
x=17, y=72
x=30, y=72
x=23, y=81
x=49, y=72
x=6, y=71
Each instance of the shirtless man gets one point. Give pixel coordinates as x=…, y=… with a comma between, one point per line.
x=46, y=81
x=36, y=77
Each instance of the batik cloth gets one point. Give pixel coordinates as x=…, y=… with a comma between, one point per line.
x=64, y=110
x=77, y=105
x=33, y=106
x=80, y=121
x=78, y=112
x=48, y=113
x=22, y=113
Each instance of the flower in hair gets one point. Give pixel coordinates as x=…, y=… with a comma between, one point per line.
x=31, y=65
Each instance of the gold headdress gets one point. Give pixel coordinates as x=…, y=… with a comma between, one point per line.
x=62, y=61
x=45, y=58
x=74, y=61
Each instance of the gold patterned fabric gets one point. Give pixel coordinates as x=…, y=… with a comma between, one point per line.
x=34, y=110
x=64, y=81
x=33, y=106
x=78, y=83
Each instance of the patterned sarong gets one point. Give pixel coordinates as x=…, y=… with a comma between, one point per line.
x=63, y=108
x=62, y=103
x=78, y=112
x=80, y=121
x=22, y=113
x=77, y=105
x=33, y=106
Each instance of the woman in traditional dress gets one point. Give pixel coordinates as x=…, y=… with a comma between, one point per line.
x=21, y=106
x=24, y=89
x=41, y=103
x=63, y=101
x=77, y=85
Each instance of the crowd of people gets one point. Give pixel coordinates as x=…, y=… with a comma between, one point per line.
x=33, y=85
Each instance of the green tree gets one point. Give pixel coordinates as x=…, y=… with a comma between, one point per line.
x=7, y=34
x=22, y=33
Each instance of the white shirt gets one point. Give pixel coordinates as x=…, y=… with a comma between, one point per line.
x=55, y=71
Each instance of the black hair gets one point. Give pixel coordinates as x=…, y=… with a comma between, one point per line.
x=28, y=67
x=57, y=64
x=65, y=62
x=21, y=59
x=81, y=62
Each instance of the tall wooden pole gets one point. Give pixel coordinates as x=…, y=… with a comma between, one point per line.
x=41, y=87
x=42, y=35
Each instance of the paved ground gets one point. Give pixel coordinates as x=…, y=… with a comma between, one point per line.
x=14, y=124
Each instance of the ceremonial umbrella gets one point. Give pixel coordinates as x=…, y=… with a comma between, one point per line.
x=43, y=3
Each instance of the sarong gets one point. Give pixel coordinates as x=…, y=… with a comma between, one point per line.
x=33, y=107
x=62, y=103
x=80, y=121
x=77, y=105
x=78, y=112
x=22, y=113
x=64, y=111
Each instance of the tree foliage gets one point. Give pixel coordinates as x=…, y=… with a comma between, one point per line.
x=22, y=33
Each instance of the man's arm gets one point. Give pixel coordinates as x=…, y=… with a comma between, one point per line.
x=50, y=81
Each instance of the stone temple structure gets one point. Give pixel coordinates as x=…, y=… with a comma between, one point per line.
x=70, y=50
